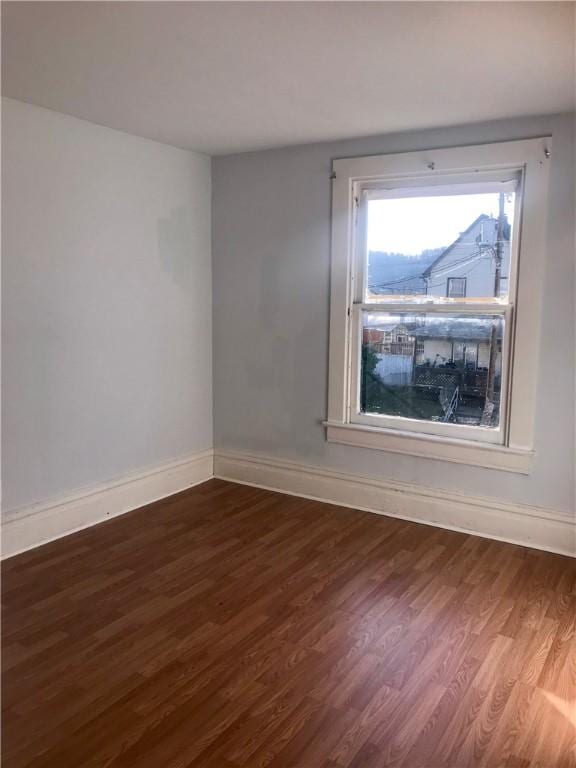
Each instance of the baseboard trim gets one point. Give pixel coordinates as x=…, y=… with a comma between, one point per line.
x=29, y=527
x=529, y=526
x=537, y=527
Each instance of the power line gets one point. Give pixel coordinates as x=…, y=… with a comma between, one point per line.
x=478, y=256
x=465, y=274
x=466, y=260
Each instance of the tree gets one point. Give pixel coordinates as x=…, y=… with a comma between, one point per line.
x=369, y=375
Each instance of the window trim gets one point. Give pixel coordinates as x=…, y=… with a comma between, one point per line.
x=530, y=159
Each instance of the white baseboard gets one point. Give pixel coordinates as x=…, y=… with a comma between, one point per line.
x=29, y=527
x=529, y=526
x=537, y=527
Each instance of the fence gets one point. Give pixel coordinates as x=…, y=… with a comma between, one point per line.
x=395, y=370
x=470, y=380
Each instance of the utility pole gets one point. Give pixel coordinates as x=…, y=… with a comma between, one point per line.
x=489, y=404
x=499, y=246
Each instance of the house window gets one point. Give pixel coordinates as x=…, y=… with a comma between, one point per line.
x=456, y=287
x=464, y=227
x=425, y=258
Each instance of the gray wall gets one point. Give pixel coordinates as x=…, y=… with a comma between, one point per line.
x=271, y=251
x=106, y=304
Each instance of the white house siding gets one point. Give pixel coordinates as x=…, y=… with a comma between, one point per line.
x=479, y=271
x=484, y=357
x=443, y=349
x=434, y=348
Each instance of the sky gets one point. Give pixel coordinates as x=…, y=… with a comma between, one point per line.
x=412, y=224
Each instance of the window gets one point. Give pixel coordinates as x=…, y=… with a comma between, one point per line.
x=434, y=329
x=456, y=286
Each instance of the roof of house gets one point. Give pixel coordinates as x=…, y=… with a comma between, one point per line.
x=388, y=327
x=463, y=330
x=460, y=331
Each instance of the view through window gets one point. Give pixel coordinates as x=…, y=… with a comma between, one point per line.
x=436, y=278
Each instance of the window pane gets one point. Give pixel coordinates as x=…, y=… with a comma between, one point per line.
x=441, y=246
x=456, y=287
x=432, y=367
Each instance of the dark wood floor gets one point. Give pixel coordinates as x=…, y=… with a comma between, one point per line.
x=230, y=626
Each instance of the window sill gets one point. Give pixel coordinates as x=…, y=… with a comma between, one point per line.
x=486, y=455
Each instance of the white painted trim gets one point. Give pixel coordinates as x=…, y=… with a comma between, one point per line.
x=529, y=526
x=29, y=527
x=428, y=446
x=529, y=158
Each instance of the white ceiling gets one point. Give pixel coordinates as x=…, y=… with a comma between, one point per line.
x=234, y=76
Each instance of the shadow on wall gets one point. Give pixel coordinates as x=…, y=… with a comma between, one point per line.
x=176, y=241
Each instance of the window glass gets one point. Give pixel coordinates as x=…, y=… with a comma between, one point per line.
x=432, y=367
x=456, y=287
x=420, y=246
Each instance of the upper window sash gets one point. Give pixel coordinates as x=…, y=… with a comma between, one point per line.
x=509, y=180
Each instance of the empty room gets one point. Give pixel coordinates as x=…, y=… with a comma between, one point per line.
x=288, y=384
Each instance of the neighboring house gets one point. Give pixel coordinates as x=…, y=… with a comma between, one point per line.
x=436, y=345
x=468, y=266
x=391, y=339
x=444, y=344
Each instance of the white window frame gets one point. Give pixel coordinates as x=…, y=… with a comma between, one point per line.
x=384, y=176
x=364, y=191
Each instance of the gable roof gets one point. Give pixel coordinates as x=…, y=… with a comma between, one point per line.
x=446, y=251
